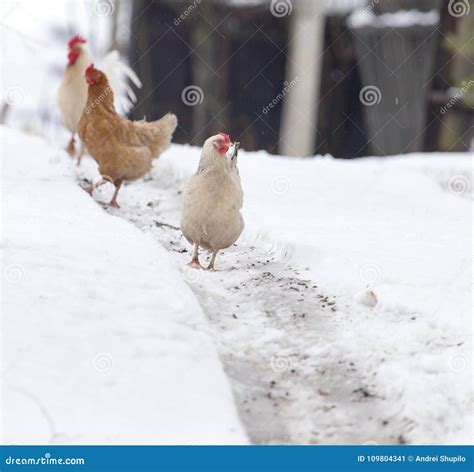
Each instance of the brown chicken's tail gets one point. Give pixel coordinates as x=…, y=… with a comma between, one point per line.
x=161, y=131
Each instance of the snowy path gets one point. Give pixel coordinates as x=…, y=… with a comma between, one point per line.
x=301, y=367
x=276, y=333
x=266, y=317
x=98, y=329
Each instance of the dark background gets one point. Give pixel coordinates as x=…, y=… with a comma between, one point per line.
x=240, y=67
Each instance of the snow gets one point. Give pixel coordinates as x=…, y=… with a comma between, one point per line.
x=401, y=19
x=342, y=315
x=102, y=340
x=342, y=7
x=332, y=7
x=247, y=3
x=340, y=215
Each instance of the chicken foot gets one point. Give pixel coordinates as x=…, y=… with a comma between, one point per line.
x=195, y=264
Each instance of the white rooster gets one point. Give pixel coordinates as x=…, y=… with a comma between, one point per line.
x=72, y=96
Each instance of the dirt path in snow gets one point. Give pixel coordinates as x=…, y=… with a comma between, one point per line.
x=277, y=333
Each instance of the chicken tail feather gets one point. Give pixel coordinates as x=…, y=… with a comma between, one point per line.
x=159, y=133
x=120, y=75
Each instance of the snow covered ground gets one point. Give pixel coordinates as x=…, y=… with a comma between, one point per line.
x=102, y=340
x=343, y=314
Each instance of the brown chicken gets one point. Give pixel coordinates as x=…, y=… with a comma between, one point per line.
x=123, y=149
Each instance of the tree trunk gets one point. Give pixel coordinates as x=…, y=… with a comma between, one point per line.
x=300, y=102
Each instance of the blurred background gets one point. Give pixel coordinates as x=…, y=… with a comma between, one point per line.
x=348, y=78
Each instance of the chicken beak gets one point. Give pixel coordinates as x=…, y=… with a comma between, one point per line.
x=234, y=147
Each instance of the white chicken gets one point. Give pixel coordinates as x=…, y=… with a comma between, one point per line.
x=72, y=95
x=212, y=201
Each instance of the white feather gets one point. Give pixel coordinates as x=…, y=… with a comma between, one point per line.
x=119, y=75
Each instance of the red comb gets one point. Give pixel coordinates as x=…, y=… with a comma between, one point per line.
x=225, y=136
x=77, y=39
x=90, y=69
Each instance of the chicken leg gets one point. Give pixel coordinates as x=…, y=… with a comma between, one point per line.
x=195, y=264
x=71, y=149
x=113, y=203
x=82, y=151
x=212, y=261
